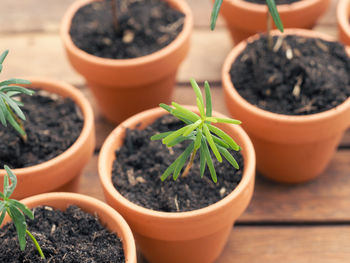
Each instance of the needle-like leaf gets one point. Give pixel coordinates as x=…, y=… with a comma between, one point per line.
x=275, y=15
x=215, y=13
x=209, y=107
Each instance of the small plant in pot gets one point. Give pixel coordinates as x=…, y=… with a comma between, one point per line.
x=193, y=214
x=245, y=18
x=293, y=100
x=52, y=146
x=69, y=228
x=129, y=60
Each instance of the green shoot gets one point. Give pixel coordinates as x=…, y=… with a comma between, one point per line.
x=16, y=211
x=202, y=133
x=270, y=4
x=10, y=110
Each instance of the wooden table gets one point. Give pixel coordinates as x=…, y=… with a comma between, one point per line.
x=296, y=224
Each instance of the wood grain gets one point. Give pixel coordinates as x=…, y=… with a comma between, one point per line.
x=287, y=245
x=326, y=199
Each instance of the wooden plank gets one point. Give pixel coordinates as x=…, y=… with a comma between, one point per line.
x=327, y=198
x=31, y=15
x=45, y=16
x=287, y=245
x=33, y=53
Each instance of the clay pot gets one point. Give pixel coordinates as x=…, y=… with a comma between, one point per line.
x=123, y=87
x=61, y=173
x=109, y=218
x=343, y=11
x=290, y=149
x=244, y=19
x=186, y=237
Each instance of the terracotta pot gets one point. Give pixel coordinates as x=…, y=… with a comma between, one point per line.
x=109, y=218
x=343, y=12
x=123, y=87
x=186, y=237
x=62, y=172
x=245, y=19
x=289, y=149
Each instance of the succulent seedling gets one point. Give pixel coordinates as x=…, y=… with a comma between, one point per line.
x=272, y=13
x=200, y=131
x=10, y=110
x=17, y=211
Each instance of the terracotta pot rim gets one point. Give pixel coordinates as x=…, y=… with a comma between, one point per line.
x=295, y=119
x=343, y=16
x=105, y=178
x=66, y=22
x=87, y=112
x=93, y=202
x=284, y=8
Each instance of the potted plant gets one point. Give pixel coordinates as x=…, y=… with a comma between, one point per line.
x=62, y=171
x=292, y=148
x=343, y=21
x=123, y=87
x=197, y=235
x=246, y=18
x=97, y=213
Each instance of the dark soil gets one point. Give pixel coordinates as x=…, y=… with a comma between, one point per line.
x=71, y=236
x=52, y=125
x=145, y=26
x=141, y=162
x=278, y=2
x=304, y=76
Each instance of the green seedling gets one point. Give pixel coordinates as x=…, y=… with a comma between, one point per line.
x=17, y=211
x=201, y=132
x=272, y=13
x=10, y=110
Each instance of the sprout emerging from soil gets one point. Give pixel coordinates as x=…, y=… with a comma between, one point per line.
x=201, y=132
x=17, y=211
x=10, y=110
x=272, y=13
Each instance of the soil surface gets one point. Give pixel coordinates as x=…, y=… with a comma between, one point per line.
x=144, y=26
x=278, y=2
x=299, y=76
x=70, y=236
x=52, y=125
x=141, y=162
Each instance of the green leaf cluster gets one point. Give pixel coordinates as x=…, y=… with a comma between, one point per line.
x=270, y=4
x=16, y=210
x=10, y=110
x=202, y=134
